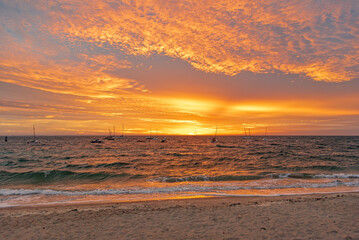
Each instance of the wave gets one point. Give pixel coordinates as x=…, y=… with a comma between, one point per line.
x=55, y=176
x=204, y=178
x=207, y=178
x=102, y=165
x=308, y=175
x=112, y=165
x=40, y=177
x=175, y=189
x=320, y=167
x=228, y=146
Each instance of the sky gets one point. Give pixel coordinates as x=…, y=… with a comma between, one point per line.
x=185, y=67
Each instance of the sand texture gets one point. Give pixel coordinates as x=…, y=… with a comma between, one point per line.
x=324, y=216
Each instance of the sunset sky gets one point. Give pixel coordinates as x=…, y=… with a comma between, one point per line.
x=79, y=67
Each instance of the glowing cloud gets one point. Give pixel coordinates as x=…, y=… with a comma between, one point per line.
x=308, y=37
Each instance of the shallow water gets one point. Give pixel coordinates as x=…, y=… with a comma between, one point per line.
x=71, y=169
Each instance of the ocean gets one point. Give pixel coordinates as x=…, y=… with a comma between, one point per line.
x=71, y=169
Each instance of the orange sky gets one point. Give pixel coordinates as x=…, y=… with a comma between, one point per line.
x=80, y=67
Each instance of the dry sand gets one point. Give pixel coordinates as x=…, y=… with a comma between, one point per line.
x=324, y=216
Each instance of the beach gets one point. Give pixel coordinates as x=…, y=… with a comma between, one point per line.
x=186, y=188
x=312, y=216
x=179, y=119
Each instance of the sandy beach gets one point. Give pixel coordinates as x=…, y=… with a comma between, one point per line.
x=317, y=216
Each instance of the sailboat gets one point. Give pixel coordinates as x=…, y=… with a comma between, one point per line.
x=265, y=135
x=247, y=136
x=123, y=133
x=150, y=137
x=156, y=134
x=34, y=141
x=214, y=139
x=110, y=137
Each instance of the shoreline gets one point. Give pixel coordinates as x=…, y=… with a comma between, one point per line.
x=42, y=197
x=336, y=216
x=195, y=198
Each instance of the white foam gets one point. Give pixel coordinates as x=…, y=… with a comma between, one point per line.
x=341, y=175
x=320, y=176
x=192, y=187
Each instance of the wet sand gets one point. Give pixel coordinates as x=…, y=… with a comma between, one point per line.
x=317, y=216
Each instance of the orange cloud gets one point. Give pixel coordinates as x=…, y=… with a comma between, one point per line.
x=300, y=37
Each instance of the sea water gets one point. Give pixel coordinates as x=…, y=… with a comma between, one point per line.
x=63, y=170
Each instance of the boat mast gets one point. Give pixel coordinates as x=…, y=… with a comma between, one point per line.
x=33, y=128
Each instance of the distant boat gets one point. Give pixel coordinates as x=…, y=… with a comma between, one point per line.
x=164, y=140
x=96, y=141
x=156, y=135
x=247, y=136
x=34, y=141
x=265, y=135
x=214, y=139
x=122, y=136
x=151, y=137
x=6, y=139
x=110, y=137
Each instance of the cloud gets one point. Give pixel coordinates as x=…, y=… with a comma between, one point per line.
x=86, y=76
x=53, y=42
x=310, y=37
